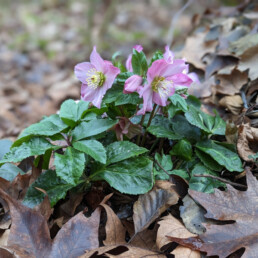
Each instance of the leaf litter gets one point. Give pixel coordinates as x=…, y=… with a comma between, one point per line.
x=224, y=54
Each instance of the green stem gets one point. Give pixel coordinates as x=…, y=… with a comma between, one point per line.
x=139, y=136
x=149, y=122
x=121, y=108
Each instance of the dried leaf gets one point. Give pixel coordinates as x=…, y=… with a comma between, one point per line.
x=245, y=136
x=115, y=231
x=195, y=48
x=249, y=63
x=149, y=206
x=183, y=252
x=30, y=234
x=242, y=207
x=170, y=226
x=232, y=83
x=122, y=251
x=232, y=103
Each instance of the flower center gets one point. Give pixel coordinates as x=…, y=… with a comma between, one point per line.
x=95, y=78
x=161, y=86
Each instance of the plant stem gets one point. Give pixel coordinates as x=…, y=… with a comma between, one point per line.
x=149, y=122
x=221, y=180
x=153, y=145
x=139, y=136
x=121, y=108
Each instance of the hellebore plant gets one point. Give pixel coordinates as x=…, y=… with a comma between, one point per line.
x=132, y=126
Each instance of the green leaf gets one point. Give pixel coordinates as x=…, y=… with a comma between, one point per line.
x=203, y=184
x=35, y=146
x=122, y=77
x=222, y=155
x=166, y=162
x=131, y=176
x=179, y=101
x=91, y=128
x=55, y=187
x=47, y=127
x=182, y=149
x=71, y=112
x=5, y=146
x=118, y=151
x=70, y=166
x=157, y=55
x=182, y=127
x=162, y=127
x=210, y=124
x=208, y=161
x=193, y=101
x=123, y=99
x=9, y=171
x=180, y=172
x=139, y=63
x=93, y=148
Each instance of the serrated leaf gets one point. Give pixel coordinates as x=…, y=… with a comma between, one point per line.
x=157, y=55
x=131, y=176
x=118, y=151
x=55, y=188
x=5, y=146
x=139, y=63
x=210, y=124
x=93, y=148
x=35, y=146
x=182, y=127
x=9, y=171
x=149, y=206
x=165, y=162
x=179, y=101
x=222, y=155
x=91, y=128
x=162, y=127
x=182, y=149
x=193, y=101
x=70, y=166
x=203, y=184
x=71, y=112
x=208, y=161
x=49, y=126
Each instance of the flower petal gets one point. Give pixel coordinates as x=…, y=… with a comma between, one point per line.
x=178, y=66
x=97, y=60
x=156, y=69
x=110, y=73
x=132, y=84
x=81, y=70
x=181, y=80
x=147, y=94
x=168, y=55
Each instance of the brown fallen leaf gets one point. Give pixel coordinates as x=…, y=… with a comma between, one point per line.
x=232, y=103
x=240, y=206
x=195, y=48
x=122, y=251
x=230, y=84
x=170, y=226
x=115, y=231
x=29, y=235
x=184, y=252
x=45, y=207
x=150, y=205
x=246, y=135
x=249, y=63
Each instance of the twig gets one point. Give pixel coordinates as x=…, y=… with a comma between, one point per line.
x=162, y=168
x=174, y=21
x=221, y=179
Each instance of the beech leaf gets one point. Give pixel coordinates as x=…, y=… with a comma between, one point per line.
x=150, y=205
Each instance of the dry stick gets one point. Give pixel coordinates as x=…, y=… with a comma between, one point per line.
x=174, y=21
x=221, y=179
x=162, y=167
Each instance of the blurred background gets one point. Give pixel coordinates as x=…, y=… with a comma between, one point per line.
x=41, y=41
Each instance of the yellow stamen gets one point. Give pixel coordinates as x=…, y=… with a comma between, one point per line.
x=95, y=78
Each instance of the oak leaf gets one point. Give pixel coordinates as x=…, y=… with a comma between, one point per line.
x=231, y=205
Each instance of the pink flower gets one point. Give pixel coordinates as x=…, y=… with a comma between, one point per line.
x=168, y=55
x=97, y=76
x=162, y=80
x=128, y=63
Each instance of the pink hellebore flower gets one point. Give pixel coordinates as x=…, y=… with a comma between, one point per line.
x=128, y=63
x=97, y=76
x=168, y=55
x=162, y=80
